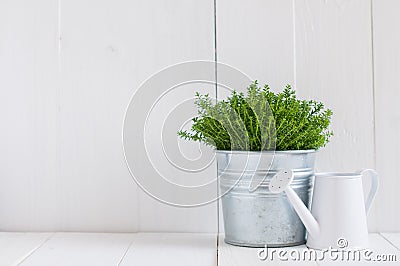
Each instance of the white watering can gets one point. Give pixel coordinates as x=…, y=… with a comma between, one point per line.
x=338, y=216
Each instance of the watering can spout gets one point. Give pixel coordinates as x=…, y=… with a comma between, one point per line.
x=281, y=182
x=304, y=213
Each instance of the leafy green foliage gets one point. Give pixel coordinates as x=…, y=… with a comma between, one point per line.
x=261, y=120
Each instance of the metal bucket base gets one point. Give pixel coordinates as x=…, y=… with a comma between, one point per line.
x=248, y=245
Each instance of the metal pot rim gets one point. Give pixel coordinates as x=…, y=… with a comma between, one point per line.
x=265, y=152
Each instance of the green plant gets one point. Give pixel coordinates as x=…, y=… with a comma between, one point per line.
x=261, y=120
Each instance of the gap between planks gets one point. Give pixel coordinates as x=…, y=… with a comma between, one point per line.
x=27, y=255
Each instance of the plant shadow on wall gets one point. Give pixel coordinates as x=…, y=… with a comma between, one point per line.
x=255, y=136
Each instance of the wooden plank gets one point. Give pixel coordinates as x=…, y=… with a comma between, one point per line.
x=257, y=39
x=230, y=255
x=28, y=108
x=97, y=192
x=16, y=247
x=104, y=59
x=393, y=238
x=333, y=65
x=171, y=249
x=387, y=93
x=380, y=251
x=182, y=32
x=81, y=249
x=382, y=247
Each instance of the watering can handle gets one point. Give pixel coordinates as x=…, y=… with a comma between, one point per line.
x=374, y=186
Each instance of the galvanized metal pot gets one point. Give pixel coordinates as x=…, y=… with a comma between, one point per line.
x=258, y=218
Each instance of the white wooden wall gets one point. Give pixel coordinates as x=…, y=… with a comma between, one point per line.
x=68, y=69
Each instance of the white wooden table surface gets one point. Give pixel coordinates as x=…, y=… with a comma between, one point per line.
x=160, y=249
